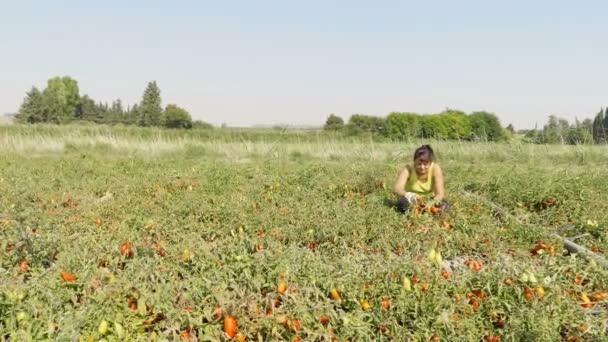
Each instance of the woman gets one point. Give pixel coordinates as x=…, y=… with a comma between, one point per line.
x=422, y=180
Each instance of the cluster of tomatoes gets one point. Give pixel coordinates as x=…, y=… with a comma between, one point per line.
x=422, y=207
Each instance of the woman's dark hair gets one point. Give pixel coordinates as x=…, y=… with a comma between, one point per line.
x=425, y=152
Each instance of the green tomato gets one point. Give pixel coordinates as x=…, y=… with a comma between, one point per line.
x=103, y=327
x=119, y=331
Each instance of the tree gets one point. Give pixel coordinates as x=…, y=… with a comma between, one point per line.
x=457, y=124
x=599, y=128
x=61, y=99
x=86, y=109
x=511, y=129
x=486, y=126
x=115, y=113
x=587, y=125
x=32, y=108
x=150, y=110
x=403, y=126
x=333, y=123
x=132, y=115
x=176, y=117
x=359, y=123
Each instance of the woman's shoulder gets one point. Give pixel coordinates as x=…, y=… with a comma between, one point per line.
x=436, y=169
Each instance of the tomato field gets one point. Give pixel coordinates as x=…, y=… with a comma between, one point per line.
x=113, y=236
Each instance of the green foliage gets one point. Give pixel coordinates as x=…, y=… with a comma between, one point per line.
x=510, y=128
x=600, y=127
x=360, y=123
x=87, y=109
x=403, y=126
x=60, y=103
x=333, y=123
x=115, y=114
x=32, y=108
x=199, y=124
x=132, y=115
x=216, y=225
x=60, y=99
x=450, y=124
x=559, y=131
x=176, y=117
x=486, y=127
x=150, y=110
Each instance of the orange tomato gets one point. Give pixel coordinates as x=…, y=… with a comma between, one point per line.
x=161, y=250
x=385, y=302
x=324, y=319
x=185, y=335
x=67, y=276
x=23, y=264
x=334, y=294
x=281, y=287
x=230, y=324
x=479, y=294
x=292, y=324
x=445, y=274
x=125, y=248
x=527, y=293
x=540, y=291
x=364, y=304
x=312, y=245
x=475, y=304
x=132, y=303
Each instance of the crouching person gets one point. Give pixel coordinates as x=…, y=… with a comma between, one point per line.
x=422, y=179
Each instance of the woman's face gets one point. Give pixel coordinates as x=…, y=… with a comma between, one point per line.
x=422, y=165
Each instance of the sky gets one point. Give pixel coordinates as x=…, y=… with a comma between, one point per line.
x=246, y=63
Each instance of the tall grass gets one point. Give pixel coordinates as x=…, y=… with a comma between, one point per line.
x=238, y=144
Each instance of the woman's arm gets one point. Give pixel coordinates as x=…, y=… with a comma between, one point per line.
x=399, y=188
x=439, y=189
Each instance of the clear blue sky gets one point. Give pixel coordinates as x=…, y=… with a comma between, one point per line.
x=288, y=62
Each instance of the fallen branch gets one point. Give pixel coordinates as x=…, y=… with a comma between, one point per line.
x=578, y=249
x=570, y=245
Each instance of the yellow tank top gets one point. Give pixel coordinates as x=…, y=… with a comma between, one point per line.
x=414, y=185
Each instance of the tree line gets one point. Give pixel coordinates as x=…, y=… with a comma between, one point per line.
x=450, y=124
x=560, y=131
x=476, y=126
x=60, y=102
